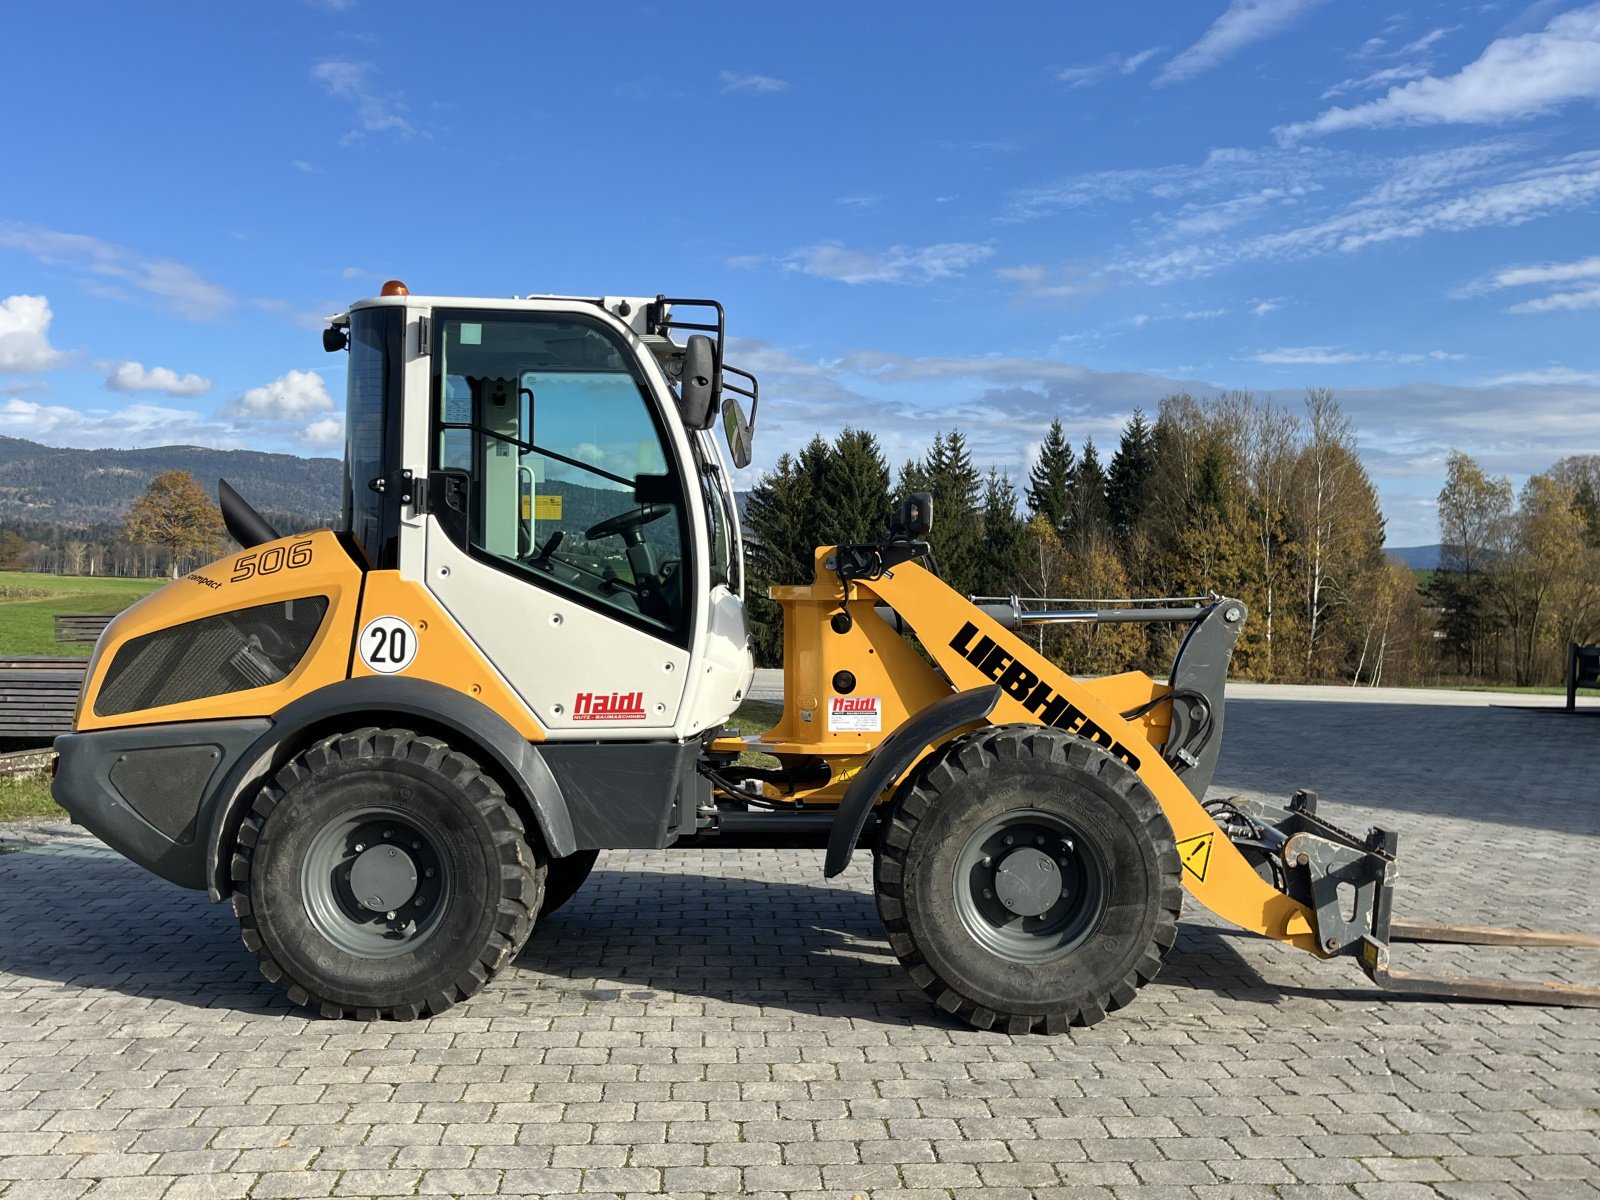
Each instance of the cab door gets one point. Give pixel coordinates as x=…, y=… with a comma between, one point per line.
x=558, y=534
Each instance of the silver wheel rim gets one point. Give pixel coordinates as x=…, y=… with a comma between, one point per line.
x=1030, y=887
x=393, y=858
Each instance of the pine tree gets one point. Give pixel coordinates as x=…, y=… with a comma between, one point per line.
x=1088, y=517
x=852, y=497
x=778, y=550
x=1128, y=479
x=1004, y=537
x=1049, y=489
x=957, y=536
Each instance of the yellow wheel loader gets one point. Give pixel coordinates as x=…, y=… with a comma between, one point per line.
x=395, y=745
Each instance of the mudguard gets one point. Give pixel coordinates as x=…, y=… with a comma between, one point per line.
x=892, y=758
x=416, y=703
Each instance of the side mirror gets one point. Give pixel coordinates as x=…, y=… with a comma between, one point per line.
x=736, y=428
x=697, y=383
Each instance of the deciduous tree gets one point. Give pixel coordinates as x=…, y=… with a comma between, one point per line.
x=176, y=514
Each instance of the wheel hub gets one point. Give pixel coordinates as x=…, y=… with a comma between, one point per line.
x=383, y=878
x=1027, y=882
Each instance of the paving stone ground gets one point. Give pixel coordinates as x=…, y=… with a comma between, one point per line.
x=715, y=1023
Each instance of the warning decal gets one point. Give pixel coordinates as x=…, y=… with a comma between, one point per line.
x=547, y=507
x=1195, y=855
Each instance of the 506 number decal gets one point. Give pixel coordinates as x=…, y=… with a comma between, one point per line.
x=272, y=560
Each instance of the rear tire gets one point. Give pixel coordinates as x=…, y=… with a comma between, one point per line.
x=563, y=878
x=382, y=874
x=1028, y=880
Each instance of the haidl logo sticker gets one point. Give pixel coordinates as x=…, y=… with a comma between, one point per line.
x=608, y=706
x=855, y=714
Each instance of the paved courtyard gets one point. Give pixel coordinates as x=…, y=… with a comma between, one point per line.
x=720, y=1023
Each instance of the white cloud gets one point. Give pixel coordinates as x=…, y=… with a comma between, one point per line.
x=135, y=425
x=1320, y=356
x=1105, y=68
x=25, y=335
x=1513, y=79
x=133, y=377
x=751, y=83
x=322, y=434
x=1583, y=268
x=897, y=264
x=1203, y=314
x=1466, y=188
x=1426, y=41
x=375, y=111
x=1583, y=271
x=1327, y=356
x=291, y=396
x=1548, y=377
x=1377, y=79
x=109, y=270
x=1262, y=307
x=1004, y=406
x=1244, y=23
x=1561, y=301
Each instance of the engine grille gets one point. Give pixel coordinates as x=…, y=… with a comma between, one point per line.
x=231, y=652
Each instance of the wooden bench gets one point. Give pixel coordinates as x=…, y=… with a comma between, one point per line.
x=37, y=696
x=1583, y=670
x=81, y=629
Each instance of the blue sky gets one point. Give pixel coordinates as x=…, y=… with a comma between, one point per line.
x=979, y=217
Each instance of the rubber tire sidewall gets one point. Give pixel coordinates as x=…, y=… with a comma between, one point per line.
x=995, y=771
x=479, y=929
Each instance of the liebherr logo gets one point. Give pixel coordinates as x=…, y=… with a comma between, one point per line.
x=608, y=706
x=1034, y=694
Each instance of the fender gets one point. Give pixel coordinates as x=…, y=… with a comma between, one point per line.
x=892, y=758
x=427, y=707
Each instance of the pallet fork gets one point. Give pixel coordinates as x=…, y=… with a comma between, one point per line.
x=1348, y=884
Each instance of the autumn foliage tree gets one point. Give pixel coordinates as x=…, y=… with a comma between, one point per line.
x=176, y=514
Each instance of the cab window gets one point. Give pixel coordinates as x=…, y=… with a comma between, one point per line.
x=571, y=482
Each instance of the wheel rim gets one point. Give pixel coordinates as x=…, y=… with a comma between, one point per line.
x=1029, y=886
x=375, y=883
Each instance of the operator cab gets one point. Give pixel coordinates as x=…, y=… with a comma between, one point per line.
x=546, y=465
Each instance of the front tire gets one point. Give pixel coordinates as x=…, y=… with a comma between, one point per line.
x=1028, y=880
x=382, y=874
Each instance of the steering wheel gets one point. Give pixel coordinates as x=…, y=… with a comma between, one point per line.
x=628, y=524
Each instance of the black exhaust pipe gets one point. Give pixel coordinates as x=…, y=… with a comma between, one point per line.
x=245, y=525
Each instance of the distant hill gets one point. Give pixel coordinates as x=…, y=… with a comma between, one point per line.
x=71, y=487
x=1418, y=558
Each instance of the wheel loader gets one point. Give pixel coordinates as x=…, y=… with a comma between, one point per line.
x=396, y=745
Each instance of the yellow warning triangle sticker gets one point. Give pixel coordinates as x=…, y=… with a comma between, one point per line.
x=1195, y=855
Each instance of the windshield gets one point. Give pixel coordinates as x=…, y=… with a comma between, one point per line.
x=571, y=480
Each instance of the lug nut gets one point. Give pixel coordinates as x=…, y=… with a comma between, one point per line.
x=390, y=915
x=421, y=900
x=416, y=845
x=1010, y=840
x=987, y=894
x=388, y=833
x=359, y=847
x=988, y=862
x=428, y=874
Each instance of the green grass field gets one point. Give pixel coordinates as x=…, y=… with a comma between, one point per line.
x=27, y=799
x=29, y=604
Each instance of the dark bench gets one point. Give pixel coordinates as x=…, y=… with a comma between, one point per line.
x=1583, y=670
x=37, y=696
x=83, y=629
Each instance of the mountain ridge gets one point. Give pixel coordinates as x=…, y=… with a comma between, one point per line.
x=74, y=487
